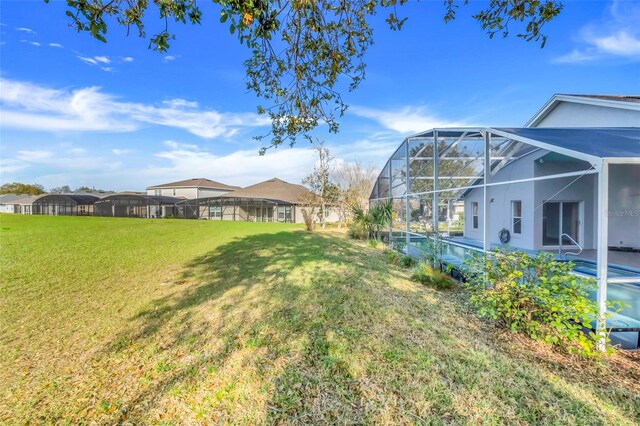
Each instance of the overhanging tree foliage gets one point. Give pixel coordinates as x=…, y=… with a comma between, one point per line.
x=301, y=49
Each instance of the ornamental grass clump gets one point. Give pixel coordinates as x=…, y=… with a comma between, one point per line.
x=538, y=296
x=425, y=274
x=406, y=261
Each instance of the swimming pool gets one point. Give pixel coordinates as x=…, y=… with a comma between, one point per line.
x=454, y=253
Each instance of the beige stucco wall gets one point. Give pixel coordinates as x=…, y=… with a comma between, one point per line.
x=188, y=193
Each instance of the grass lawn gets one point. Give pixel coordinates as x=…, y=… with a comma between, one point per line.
x=186, y=322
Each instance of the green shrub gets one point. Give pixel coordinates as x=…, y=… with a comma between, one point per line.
x=425, y=274
x=357, y=232
x=392, y=257
x=407, y=261
x=373, y=243
x=538, y=296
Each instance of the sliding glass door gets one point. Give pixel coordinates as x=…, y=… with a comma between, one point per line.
x=560, y=219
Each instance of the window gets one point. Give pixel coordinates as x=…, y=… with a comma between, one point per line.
x=157, y=192
x=474, y=213
x=284, y=213
x=174, y=192
x=215, y=212
x=516, y=215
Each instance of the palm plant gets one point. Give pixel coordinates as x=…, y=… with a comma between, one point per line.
x=381, y=216
x=362, y=220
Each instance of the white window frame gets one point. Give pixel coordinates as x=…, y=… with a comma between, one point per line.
x=514, y=217
x=475, y=215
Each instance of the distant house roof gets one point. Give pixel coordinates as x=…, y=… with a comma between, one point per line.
x=272, y=189
x=627, y=102
x=99, y=194
x=25, y=200
x=10, y=198
x=195, y=183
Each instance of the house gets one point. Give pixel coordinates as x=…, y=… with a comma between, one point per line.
x=273, y=200
x=546, y=208
x=23, y=205
x=191, y=189
x=567, y=183
x=7, y=202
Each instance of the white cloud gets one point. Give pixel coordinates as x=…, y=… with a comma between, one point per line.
x=10, y=165
x=118, y=151
x=405, y=120
x=244, y=167
x=617, y=34
x=26, y=30
x=576, y=56
x=34, y=156
x=32, y=107
x=70, y=160
x=620, y=43
x=169, y=58
x=177, y=103
x=58, y=45
x=126, y=59
x=181, y=146
x=87, y=60
x=97, y=60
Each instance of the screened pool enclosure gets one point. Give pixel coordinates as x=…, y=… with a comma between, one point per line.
x=571, y=191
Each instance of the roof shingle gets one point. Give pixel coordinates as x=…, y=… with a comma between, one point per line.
x=195, y=183
x=273, y=189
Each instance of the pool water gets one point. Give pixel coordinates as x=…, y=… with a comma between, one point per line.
x=629, y=293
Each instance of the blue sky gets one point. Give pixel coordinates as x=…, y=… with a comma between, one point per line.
x=75, y=111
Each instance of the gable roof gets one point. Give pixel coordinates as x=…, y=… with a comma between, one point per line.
x=26, y=199
x=10, y=198
x=272, y=189
x=628, y=102
x=195, y=183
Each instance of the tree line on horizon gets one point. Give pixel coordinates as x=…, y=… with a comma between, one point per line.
x=37, y=189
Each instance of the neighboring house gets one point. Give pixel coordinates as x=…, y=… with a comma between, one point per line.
x=567, y=183
x=588, y=111
x=273, y=200
x=23, y=205
x=191, y=189
x=7, y=202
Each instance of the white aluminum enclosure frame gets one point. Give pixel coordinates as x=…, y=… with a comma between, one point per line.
x=598, y=165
